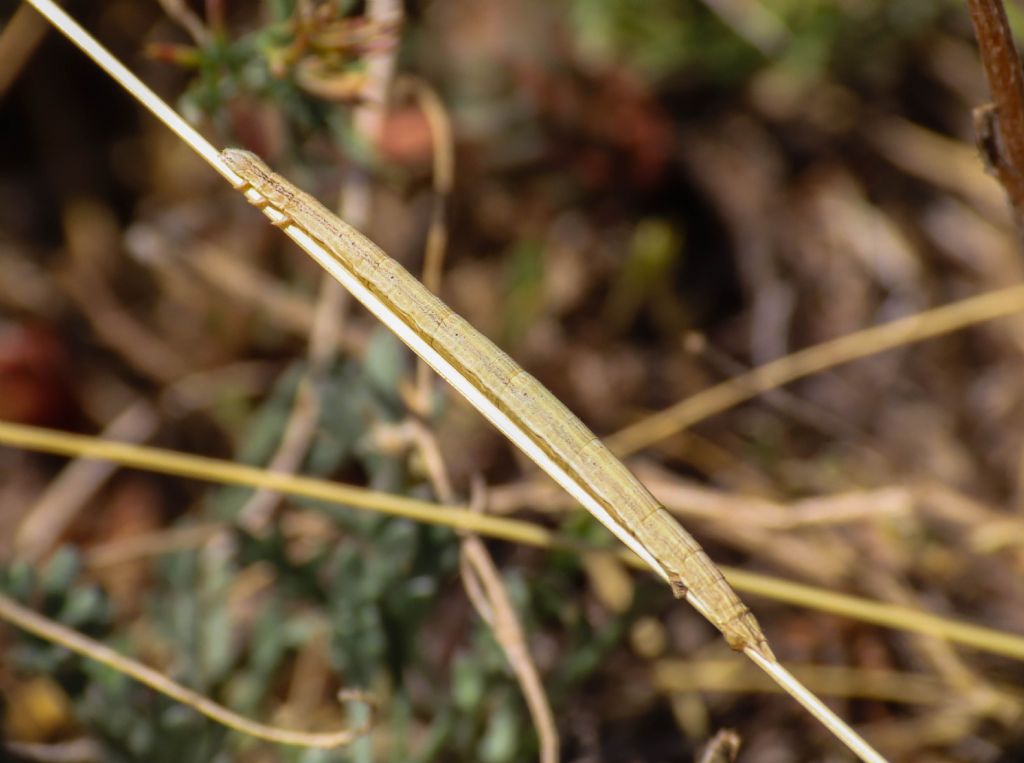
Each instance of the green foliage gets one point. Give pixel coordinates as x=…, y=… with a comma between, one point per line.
x=56, y=591
x=669, y=37
x=524, y=294
x=133, y=722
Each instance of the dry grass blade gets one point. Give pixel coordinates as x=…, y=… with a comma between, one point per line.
x=443, y=177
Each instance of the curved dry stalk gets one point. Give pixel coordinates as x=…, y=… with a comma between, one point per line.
x=812, y=360
x=56, y=633
x=512, y=530
x=490, y=599
x=430, y=103
x=487, y=593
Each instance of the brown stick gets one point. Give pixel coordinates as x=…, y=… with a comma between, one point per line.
x=1001, y=135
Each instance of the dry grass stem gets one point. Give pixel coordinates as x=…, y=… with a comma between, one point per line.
x=490, y=599
x=443, y=154
x=861, y=344
x=810, y=701
x=516, y=531
x=676, y=676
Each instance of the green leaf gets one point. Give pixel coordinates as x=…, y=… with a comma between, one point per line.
x=386, y=363
x=501, y=737
x=60, y=573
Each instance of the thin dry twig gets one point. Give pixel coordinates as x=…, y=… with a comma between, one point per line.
x=56, y=633
x=1001, y=135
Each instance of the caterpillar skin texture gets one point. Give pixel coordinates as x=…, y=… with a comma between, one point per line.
x=545, y=420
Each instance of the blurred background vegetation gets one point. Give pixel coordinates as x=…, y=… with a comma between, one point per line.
x=649, y=197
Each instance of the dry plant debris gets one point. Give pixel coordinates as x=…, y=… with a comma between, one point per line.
x=627, y=178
